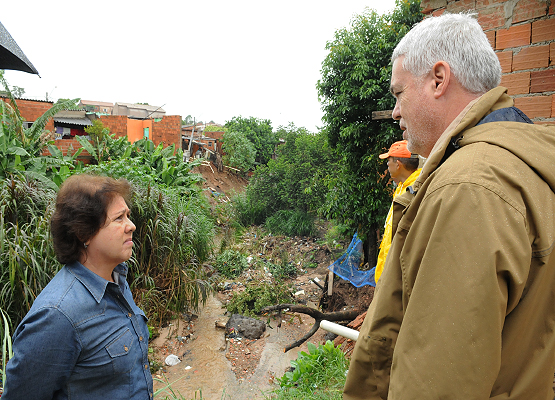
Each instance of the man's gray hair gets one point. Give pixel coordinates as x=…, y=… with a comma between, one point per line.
x=456, y=39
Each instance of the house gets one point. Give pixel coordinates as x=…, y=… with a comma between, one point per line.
x=100, y=107
x=140, y=111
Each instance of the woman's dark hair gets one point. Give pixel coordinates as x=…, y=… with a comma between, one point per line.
x=81, y=210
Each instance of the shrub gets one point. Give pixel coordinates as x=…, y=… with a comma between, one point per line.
x=231, y=263
x=291, y=223
x=318, y=374
x=257, y=296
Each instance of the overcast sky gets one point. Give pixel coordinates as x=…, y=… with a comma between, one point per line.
x=213, y=60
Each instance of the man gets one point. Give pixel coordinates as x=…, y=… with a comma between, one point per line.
x=465, y=308
x=403, y=168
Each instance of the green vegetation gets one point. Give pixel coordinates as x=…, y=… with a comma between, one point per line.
x=354, y=83
x=293, y=182
x=239, y=152
x=258, y=132
x=256, y=296
x=231, y=263
x=318, y=374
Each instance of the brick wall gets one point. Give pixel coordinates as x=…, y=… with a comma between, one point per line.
x=70, y=144
x=117, y=124
x=167, y=130
x=31, y=110
x=522, y=33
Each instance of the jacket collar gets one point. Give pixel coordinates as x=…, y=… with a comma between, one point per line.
x=94, y=283
x=471, y=115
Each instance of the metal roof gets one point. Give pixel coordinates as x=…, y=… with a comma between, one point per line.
x=74, y=121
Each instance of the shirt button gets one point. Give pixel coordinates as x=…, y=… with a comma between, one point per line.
x=129, y=315
x=140, y=338
x=125, y=348
x=146, y=366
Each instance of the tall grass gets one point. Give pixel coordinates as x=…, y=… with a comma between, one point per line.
x=291, y=223
x=27, y=259
x=172, y=242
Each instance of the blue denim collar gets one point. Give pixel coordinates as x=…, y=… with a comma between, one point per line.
x=95, y=284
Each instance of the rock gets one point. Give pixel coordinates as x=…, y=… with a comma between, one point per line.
x=241, y=326
x=220, y=323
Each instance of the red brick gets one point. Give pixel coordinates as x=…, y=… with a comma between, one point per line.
x=531, y=57
x=552, y=8
x=525, y=10
x=552, y=53
x=515, y=36
x=543, y=31
x=553, y=106
x=534, y=107
x=517, y=83
x=542, y=81
x=431, y=5
x=460, y=6
x=548, y=123
x=484, y=3
x=437, y=13
x=492, y=17
x=506, y=60
x=491, y=37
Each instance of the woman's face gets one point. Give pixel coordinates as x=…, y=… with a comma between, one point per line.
x=113, y=243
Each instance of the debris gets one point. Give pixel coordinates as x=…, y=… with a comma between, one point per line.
x=172, y=360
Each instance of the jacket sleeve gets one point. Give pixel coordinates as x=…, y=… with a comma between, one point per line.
x=465, y=258
x=46, y=349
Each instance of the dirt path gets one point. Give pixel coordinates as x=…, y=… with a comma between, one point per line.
x=212, y=365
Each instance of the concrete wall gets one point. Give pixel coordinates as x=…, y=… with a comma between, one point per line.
x=522, y=33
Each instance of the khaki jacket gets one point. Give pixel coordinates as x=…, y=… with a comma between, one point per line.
x=465, y=308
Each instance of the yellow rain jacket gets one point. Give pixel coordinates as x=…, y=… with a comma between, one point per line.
x=386, y=239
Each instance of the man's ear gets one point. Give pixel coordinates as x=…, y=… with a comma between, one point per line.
x=441, y=76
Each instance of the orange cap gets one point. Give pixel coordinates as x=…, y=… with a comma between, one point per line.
x=397, y=149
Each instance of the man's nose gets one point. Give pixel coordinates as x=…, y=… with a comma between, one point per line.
x=396, y=114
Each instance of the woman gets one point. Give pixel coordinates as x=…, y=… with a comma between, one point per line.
x=84, y=337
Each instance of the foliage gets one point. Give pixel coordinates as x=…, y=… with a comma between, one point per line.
x=7, y=351
x=259, y=132
x=318, y=374
x=231, y=263
x=295, y=180
x=172, y=242
x=27, y=260
x=215, y=128
x=256, y=296
x=21, y=148
x=285, y=269
x=145, y=162
x=291, y=223
x=239, y=152
x=354, y=83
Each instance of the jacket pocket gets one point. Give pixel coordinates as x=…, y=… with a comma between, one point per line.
x=119, y=350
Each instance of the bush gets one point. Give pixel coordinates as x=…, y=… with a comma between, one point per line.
x=257, y=296
x=231, y=263
x=291, y=223
x=318, y=374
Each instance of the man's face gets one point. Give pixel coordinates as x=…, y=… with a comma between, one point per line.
x=393, y=168
x=413, y=109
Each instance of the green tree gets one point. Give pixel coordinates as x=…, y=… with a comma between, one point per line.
x=295, y=180
x=354, y=83
x=239, y=152
x=260, y=134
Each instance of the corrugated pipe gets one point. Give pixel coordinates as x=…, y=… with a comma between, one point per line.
x=339, y=330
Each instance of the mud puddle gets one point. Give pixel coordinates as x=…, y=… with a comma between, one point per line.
x=211, y=365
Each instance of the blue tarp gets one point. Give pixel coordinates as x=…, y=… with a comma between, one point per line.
x=347, y=265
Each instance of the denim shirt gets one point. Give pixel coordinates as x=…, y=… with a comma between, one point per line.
x=84, y=338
